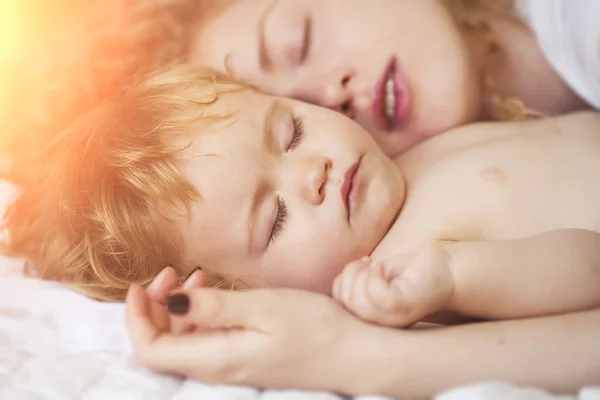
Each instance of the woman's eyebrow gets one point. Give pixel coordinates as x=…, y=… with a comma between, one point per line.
x=263, y=56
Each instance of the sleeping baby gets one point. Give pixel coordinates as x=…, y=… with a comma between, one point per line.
x=190, y=168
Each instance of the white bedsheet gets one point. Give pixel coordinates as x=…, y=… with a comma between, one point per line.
x=57, y=344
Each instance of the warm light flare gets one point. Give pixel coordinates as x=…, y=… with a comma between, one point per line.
x=10, y=20
x=60, y=58
x=24, y=23
x=29, y=31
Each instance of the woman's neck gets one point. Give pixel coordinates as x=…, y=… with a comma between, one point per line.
x=515, y=78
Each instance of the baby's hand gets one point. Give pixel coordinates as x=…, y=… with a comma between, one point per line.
x=399, y=292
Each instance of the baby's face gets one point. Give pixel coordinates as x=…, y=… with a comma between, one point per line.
x=400, y=68
x=290, y=193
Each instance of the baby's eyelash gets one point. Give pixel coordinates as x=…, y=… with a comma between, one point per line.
x=298, y=134
x=280, y=219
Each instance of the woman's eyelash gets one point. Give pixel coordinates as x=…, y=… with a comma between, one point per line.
x=280, y=219
x=298, y=124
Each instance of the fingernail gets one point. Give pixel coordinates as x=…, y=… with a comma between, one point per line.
x=178, y=304
x=373, y=264
x=191, y=273
x=365, y=259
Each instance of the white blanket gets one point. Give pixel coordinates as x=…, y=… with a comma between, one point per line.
x=58, y=344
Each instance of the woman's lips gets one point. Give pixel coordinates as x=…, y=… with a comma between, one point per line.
x=349, y=188
x=391, y=98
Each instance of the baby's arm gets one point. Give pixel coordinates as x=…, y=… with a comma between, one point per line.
x=551, y=273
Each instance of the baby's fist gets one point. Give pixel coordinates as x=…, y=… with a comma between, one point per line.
x=399, y=292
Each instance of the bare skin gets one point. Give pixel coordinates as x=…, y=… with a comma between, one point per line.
x=480, y=230
x=482, y=214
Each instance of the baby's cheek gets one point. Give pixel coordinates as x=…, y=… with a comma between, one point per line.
x=314, y=271
x=329, y=265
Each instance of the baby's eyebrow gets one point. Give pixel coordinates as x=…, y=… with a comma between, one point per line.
x=257, y=200
x=268, y=124
x=262, y=187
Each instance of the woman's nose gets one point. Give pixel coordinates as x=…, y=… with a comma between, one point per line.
x=332, y=91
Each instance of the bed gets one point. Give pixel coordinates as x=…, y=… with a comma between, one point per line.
x=58, y=344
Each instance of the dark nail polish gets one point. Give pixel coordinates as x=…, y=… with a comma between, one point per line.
x=178, y=304
x=194, y=270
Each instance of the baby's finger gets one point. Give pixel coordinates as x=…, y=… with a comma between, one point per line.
x=384, y=298
x=395, y=266
x=348, y=279
x=402, y=300
x=335, y=288
x=359, y=302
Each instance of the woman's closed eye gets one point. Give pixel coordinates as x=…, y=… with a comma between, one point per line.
x=279, y=222
x=306, y=40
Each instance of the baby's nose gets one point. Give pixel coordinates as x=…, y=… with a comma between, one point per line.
x=314, y=178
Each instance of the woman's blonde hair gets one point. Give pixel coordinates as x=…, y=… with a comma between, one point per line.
x=101, y=215
x=505, y=108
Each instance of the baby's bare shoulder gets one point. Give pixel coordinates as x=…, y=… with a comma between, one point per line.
x=472, y=182
x=585, y=124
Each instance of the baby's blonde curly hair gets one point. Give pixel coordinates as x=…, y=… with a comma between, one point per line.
x=103, y=214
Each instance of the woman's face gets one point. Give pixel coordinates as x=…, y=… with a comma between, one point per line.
x=398, y=67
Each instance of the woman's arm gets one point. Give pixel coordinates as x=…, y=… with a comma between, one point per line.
x=295, y=339
x=558, y=353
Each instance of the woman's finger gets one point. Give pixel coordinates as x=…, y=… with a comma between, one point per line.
x=205, y=355
x=217, y=308
x=194, y=281
x=164, y=282
x=141, y=327
x=220, y=349
x=151, y=346
x=197, y=279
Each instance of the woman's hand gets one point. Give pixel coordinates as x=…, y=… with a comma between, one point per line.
x=273, y=338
